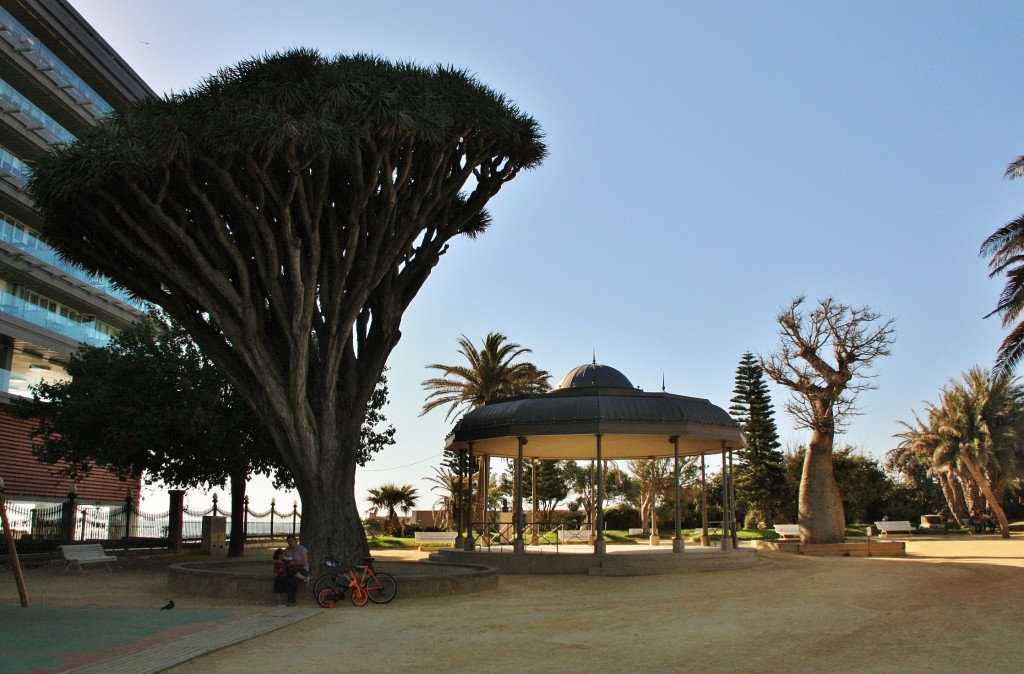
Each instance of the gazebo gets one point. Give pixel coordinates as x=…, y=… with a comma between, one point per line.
x=595, y=413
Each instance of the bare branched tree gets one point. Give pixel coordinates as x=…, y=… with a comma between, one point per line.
x=823, y=357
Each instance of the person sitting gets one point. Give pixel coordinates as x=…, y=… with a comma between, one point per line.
x=280, y=576
x=297, y=557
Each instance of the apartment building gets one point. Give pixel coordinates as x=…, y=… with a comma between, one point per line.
x=57, y=77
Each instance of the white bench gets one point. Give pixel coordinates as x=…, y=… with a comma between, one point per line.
x=901, y=527
x=575, y=535
x=787, y=530
x=435, y=536
x=634, y=531
x=85, y=553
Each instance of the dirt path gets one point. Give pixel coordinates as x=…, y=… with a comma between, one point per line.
x=953, y=606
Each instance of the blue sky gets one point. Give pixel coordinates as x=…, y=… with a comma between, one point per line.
x=708, y=162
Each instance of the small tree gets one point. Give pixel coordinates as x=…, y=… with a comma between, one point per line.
x=391, y=498
x=822, y=358
x=760, y=474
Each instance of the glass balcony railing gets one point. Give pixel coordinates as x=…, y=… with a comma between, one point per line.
x=38, y=249
x=50, y=61
x=13, y=165
x=81, y=332
x=30, y=109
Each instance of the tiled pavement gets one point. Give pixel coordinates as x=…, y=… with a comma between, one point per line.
x=168, y=654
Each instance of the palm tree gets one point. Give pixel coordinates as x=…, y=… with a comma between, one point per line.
x=976, y=428
x=1005, y=248
x=390, y=496
x=490, y=373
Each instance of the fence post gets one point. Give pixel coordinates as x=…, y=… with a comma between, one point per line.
x=128, y=496
x=295, y=514
x=176, y=519
x=70, y=510
x=273, y=506
x=245, y=518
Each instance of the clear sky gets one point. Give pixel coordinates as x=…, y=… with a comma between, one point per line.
x=708, y=162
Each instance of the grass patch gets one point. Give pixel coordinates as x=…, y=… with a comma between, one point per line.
x=391, y=542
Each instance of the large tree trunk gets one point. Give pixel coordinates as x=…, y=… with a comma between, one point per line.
x=953, y=500
x=986, y=489
x=236, y=546
x=331, y=524
x=821, y=516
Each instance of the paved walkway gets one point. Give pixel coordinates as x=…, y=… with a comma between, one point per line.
x=113, y=640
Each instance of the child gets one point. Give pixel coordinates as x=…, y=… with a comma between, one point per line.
x=280, y=576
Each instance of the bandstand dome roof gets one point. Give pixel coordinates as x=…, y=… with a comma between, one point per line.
x=592, y=400
x=593, y=374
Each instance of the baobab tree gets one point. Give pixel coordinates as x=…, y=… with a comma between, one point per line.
x=286, y=212
x=822, y=358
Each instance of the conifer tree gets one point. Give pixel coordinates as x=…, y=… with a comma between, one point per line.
x=760, y=474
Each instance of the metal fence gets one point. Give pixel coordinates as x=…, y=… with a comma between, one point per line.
x=44, y=527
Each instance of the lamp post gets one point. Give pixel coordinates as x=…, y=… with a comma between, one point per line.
x=19, y=579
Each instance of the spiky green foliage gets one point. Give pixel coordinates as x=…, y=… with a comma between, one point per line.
x=489, y=373
x=976, y=431
x=760, y=474
x=1005, y=250
x=286, y=212
x=392, y=498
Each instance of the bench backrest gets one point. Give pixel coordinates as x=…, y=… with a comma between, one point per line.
x=901, y=525
x=787, y=528
x=83, y=551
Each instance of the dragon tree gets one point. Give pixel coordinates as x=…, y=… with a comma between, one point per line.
x=286, y=212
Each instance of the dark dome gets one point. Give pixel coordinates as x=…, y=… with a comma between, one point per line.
x=593, y=374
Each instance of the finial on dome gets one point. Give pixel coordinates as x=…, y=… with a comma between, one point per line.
x=662, y=382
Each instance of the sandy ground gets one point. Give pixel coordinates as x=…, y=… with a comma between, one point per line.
x=950, y=606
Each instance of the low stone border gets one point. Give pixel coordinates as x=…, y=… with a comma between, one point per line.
x=612, y=564
x=862, y=548
x=252, y=580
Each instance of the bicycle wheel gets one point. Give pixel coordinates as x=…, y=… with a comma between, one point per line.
x=326, y=597
x=384, y=590
x=359, y=595
x=326, y=580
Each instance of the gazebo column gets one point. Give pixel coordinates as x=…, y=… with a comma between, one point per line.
x=484, y=486
x=726, y=536
x=519, y=545
x=703, y=504
x=732, y=504
x=458, y=506
x=677, y=541
x=599, y=544
x=534, y=537
x=470, y=542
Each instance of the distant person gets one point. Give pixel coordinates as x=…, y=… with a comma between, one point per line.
x=885, y=518
x=280, y=576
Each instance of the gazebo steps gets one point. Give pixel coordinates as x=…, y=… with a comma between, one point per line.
x=654, y=565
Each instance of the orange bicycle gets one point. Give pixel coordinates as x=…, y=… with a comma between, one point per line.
x=364, y=583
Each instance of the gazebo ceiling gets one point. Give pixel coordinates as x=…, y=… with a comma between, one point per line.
x=590, y=400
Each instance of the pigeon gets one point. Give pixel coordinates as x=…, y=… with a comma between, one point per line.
x=168, y=606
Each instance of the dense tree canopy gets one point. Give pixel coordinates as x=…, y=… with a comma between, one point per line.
x=286, y=212
x=151, y=404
